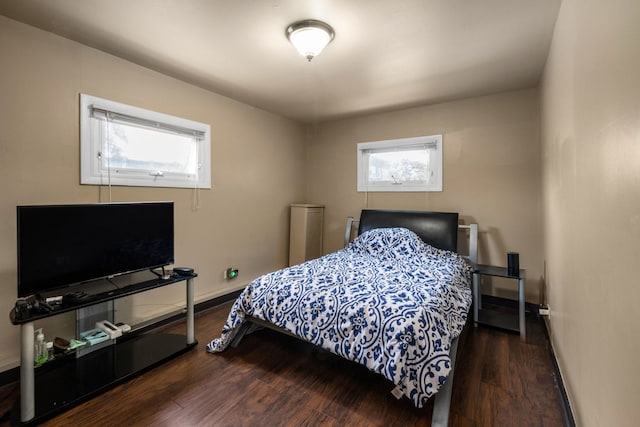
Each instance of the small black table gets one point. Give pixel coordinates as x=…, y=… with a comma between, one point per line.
x=492, y=317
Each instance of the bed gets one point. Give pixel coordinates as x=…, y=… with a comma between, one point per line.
x=395, y=300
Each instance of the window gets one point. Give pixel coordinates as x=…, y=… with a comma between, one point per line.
x=125, y=145
x=409, y=164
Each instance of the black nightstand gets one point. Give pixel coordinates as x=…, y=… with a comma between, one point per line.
x=494, y=318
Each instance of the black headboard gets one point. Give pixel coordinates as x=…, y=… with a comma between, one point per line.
x=439, y=229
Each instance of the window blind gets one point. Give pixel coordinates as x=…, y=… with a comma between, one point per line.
x=114, y=116
x=421, y=146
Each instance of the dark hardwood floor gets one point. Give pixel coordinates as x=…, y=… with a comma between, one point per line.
x=275, y=380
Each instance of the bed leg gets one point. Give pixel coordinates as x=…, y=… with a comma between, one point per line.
x=442, y=403
x=244, y=328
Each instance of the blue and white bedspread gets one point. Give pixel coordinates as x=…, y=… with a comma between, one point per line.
x=387, y=301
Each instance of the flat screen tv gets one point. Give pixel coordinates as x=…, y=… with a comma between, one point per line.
x=64, y=245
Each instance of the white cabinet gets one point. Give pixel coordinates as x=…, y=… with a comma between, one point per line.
x=305, y=239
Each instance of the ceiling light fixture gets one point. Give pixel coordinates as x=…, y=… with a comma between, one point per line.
x=309, y=37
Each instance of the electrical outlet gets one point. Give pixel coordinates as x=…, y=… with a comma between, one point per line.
x=544, y=311
x=231, y=273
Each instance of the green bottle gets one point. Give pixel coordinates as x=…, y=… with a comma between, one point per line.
x=40, y=354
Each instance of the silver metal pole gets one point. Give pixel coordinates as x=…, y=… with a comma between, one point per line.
x=347, y=231
x=522, y=320
x=27, y=396
x=190, y=313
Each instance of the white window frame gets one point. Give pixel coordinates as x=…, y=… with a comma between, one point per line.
x=431, y=143
x=92, y=135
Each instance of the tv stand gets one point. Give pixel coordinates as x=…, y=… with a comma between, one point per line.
x=61, y=384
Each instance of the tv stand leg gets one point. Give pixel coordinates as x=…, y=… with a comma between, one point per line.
x=27, y=397
x=190, y=312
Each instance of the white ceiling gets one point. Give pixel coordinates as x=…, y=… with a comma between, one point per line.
x=386, y=54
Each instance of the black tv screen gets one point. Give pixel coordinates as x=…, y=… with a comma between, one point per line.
x=63, y=245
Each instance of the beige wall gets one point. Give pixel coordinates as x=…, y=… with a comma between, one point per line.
x=491, y=174
x=584, y=228
x=590, y=133
x=256, y=159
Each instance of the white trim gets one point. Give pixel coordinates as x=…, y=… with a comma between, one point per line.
x=365, y=148
x=92, y=126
